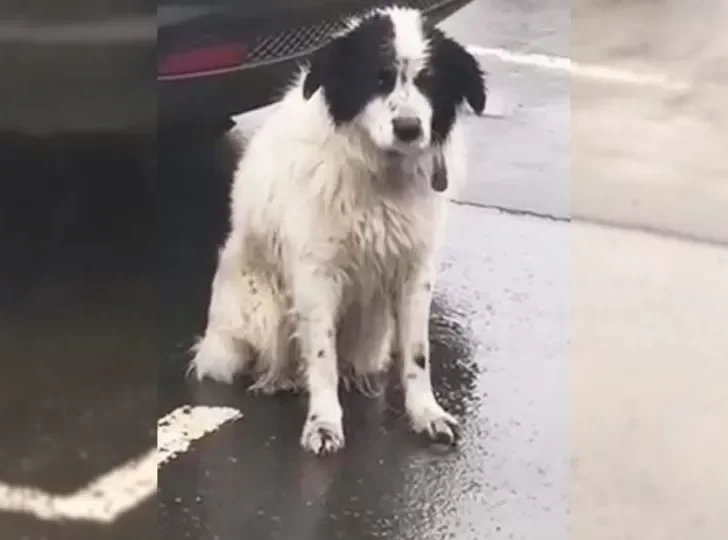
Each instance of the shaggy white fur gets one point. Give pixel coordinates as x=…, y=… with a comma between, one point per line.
x=333, y=238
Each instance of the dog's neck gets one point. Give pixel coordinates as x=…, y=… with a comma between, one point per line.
x=404, y=173
x=392, y=172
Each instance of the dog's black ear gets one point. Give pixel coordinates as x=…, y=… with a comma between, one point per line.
x=469, y=76
x=439, y=172
x=321, y=66
x=314, y=78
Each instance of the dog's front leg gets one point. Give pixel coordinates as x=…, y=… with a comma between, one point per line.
x=317, y=297
x=413, y=313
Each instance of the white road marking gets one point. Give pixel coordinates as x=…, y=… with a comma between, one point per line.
x=103, y=500
x=125, y=487
x=186, y=424
x=603, y=73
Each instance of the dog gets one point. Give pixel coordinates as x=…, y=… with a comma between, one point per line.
x=338, y=206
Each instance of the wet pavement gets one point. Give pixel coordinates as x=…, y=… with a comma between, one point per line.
x=79, y=330
x=500, y=339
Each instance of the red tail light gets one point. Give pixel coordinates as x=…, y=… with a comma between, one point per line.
x=203, y=60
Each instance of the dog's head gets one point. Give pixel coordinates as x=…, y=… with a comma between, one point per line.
x=397, y=78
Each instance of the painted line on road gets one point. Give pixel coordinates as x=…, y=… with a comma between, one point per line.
x=102, y=501
x=177, y=430
x=588, y=71
x=121, y=489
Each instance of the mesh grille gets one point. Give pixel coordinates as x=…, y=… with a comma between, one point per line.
x=293, y=42
x=423, y=4
x=306, y=39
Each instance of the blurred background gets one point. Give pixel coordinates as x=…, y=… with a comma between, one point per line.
x=649, y=351
x=659, y=147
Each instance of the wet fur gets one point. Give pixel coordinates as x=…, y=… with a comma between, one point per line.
x=333, y=237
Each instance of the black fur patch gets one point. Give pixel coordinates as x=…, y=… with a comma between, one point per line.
x=354, y=68
x=360, y=65
x=453, y=76
x=421, y=361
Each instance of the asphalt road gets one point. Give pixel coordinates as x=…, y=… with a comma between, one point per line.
x=105, y=285
x=79, y=336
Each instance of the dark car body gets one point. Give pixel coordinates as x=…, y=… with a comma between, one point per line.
x=77, y=65
x=126, y=66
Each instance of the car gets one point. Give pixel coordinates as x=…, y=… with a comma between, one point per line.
x=83, y=66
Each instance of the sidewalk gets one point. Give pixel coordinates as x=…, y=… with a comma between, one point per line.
x=649, y=356
x=648, y=376
x=648, y=156
x=644, y=374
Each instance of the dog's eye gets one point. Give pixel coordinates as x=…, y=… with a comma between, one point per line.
x=424, y=77
x=386, y=78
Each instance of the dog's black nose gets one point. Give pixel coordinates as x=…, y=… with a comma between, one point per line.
x=407, y=128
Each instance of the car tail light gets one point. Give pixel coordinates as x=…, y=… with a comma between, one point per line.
x=200, y=61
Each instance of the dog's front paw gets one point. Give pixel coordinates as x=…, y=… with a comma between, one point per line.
x=431, y=420
x=321, y=436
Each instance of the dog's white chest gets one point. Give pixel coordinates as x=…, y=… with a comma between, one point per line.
x=382, y=240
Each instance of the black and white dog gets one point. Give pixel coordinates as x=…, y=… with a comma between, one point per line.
x=337, y=209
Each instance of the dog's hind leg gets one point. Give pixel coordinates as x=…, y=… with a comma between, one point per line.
x=244, y=318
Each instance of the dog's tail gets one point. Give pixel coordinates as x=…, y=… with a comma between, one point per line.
x=245, y=320
x=246, y=333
